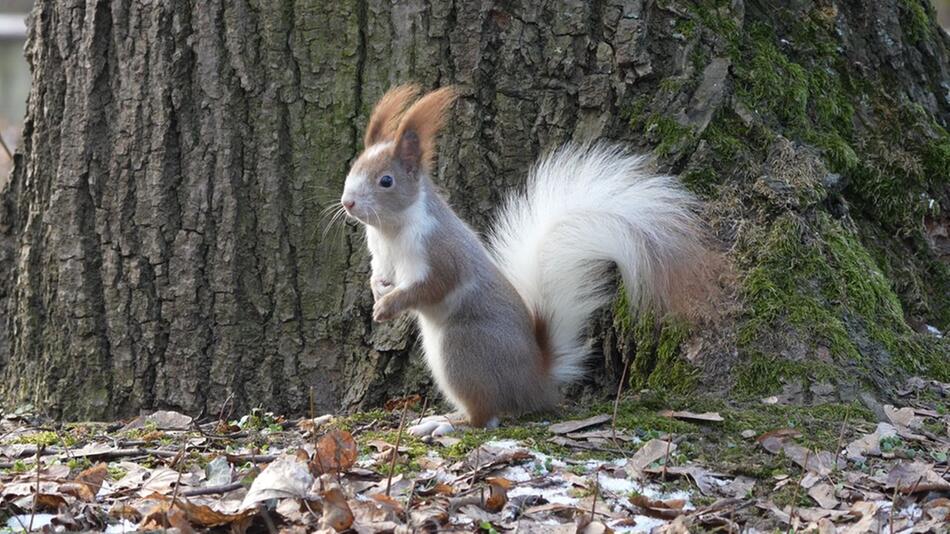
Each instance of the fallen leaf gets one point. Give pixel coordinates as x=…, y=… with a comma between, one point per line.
x=650, y=452
x=915, y=477
x=706, y=416
x=869, y=444
x=739, y=487
x=659, y=509
x=197, y=514
x=336, y=452
x=498, y=495
x=336, y=512
x=492, y=456
x=906, y=417
x=286, y=476
x=867, y=522
x=821, y=462
x=401, y=403
x=567, y=427
x=707, y=481
x=161, y=420
x=824, y=495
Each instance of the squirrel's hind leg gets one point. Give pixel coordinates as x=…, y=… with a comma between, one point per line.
x=439, y=425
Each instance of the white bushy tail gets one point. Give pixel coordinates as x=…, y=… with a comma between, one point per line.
x=584, y=209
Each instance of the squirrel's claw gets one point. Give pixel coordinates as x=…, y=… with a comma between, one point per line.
x=383, y=310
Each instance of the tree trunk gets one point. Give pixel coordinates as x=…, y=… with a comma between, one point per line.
x=162, y=228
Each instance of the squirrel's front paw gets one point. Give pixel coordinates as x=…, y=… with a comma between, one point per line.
x=384, y=309
x=381, y=286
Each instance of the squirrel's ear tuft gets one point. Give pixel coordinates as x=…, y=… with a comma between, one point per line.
x=382, y=123
x=415, y=138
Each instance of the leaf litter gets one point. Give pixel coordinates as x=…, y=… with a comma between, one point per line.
x=328, y=474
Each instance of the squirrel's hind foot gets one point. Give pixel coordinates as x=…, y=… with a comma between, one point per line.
x=439, y=425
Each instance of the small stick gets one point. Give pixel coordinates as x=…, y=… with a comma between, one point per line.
x=425, y=405
x=666, y=459
x=844, y=423
x=36, y=494
x=613, y=423
x=890, y=517
x=593, y=506
x=212, y=490
x=392, y=462
x=791, y=515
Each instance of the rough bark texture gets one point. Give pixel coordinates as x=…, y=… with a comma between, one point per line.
x=161, y=236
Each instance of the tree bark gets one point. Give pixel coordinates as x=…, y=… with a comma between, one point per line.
x=162, y=228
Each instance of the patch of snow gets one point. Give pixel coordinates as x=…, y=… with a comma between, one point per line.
x=20, y=523
x=122, y=527
x=644, y=523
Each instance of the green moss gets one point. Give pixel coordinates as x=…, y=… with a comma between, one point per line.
x=534, y=436
x=915, y=20
x=666, y=133
x=821, y=287
x=656, y=360
x=779, y=287
x=760, y=375
x=45, y=438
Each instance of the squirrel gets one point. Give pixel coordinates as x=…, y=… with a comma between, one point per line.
x=503, y=322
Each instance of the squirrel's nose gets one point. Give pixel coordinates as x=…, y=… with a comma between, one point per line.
x=348, y=204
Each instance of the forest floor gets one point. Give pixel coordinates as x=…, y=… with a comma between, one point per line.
x=642, y=463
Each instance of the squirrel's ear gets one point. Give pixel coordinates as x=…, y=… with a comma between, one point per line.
x=382, y=123
x=415, y=138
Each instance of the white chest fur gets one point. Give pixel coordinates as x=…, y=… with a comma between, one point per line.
x=402, y=257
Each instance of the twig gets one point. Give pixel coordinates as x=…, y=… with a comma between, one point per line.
x=890, y=517
x=593, y=505
x=392, y=462
x=613, y=423
x=666, y=459
x=212, y=490
x=791, y=514
x=844, y=424
x=253, y=458
x=36, y=494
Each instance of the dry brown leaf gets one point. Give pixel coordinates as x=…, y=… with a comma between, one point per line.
x=659, y=509
x=824, y=495
x=336, y=512
x=80, y=491
x=498, y=495
x=336, y=452
x=706, y=416
x=122, y=510
x=286, y=476
x=704, y=479
x=915, y=477
x=821, y=462
x=870, y=444
x=650, y=452
x=491, y=456
x=90, y=480
x=906, y=417
x=403, y=402
x=161, y=420
x=567, y=427
x=200, y=515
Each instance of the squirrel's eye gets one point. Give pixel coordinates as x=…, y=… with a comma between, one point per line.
x=386, y=181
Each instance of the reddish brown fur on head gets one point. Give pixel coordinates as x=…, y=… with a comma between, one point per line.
x=385, y=118
x=416, y=135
